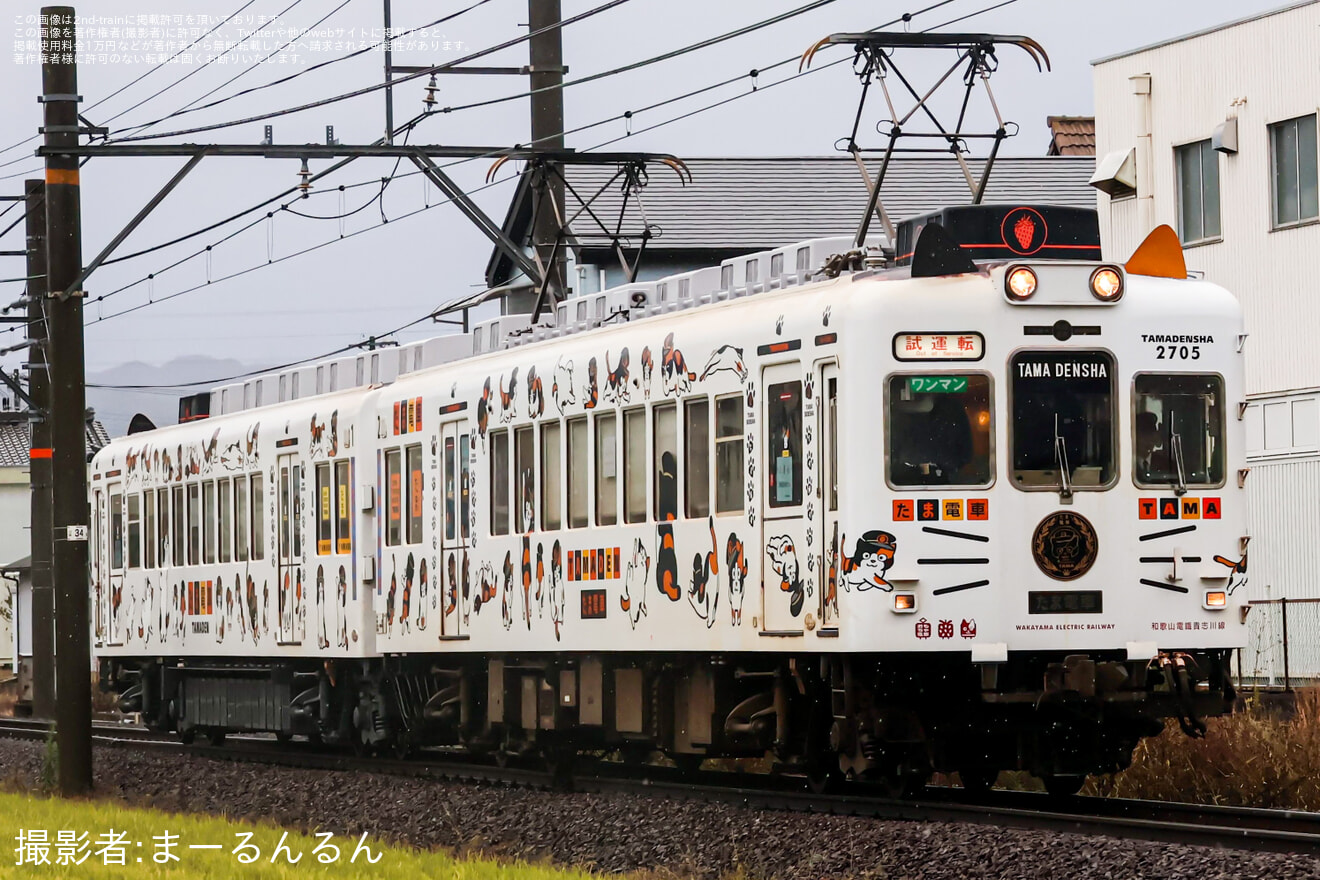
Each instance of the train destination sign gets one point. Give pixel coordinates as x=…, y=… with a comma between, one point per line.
x=939, y=346
x=1057, y=365
x=937, y=384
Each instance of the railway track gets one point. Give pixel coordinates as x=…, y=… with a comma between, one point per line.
x=1285, y=831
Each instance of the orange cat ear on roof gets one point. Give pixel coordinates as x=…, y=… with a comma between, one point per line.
x=1160, y=255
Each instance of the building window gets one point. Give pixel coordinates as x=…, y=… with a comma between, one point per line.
x=1198, y=191
x=1293, y=156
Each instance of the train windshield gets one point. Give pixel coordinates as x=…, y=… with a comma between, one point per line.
x=1179, y=430
x=939, y=430
x=1063, y=420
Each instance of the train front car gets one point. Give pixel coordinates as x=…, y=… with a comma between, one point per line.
x=1041, y=558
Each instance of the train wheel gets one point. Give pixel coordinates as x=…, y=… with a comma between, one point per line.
x=215, y=737
x=977, y=780
x=1063, y=785
x=188, y=736
x=283, y=738
x=403, y=746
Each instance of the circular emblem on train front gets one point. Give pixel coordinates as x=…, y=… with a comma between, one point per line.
x=1024, y=231
x=1065, y=545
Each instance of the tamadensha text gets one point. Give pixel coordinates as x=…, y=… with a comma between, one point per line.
x=1177, y=340
x=1063, y=370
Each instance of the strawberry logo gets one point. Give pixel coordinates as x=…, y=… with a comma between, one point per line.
x=1023, y=230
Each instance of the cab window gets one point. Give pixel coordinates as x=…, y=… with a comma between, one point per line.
x=1063, y=419
x=939, y=430
x=1178, y=431
x=784, y=437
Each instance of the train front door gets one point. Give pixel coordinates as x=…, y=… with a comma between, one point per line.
x=456, y=529
x=291, y=589
x=827, y=495
x=785, y=579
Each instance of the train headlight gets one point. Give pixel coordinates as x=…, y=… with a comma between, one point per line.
x=1216, y=599
x=905, y=603
x=1107, y=284
x=1020, y=283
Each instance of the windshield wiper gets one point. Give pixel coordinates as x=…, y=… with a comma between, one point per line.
x=1180, y=484
x=1061, y=461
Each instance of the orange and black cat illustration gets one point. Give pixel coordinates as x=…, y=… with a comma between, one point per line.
x=704, y=593
x=527, y=579
x=535, y=395
x=736, y=564
x=590, y=392
x=265, y=605
x=784, y=562
x=540, y=579
x=636, y=577
x=558, y=589
x=253, y=609
x=465, y=593
x=389, y=597
x=832, y=574
x=341, y=620
x=1237, y=571
x=208, y=452
x=647, y=366
x=167, y=465
x=616, y=379
x=674, y=374
x=483, y=411
x=451, y=588
x=561, y=387
x=487, y=585
x=318, y=437
x=871, y=558
x=405, y=605
x=422, y=589
x=253, y=449
x=322, y=636
x=334, y=433
x=666, y=559
x=506, y=598
x=507, y=397
x=726, y=358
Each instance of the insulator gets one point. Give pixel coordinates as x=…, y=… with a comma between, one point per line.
x=304, y=179
x=431, y=89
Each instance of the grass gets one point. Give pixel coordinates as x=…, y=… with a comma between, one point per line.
x=1250, y=758
x=28, y=811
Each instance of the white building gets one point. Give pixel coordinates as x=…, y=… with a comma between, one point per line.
x=1214, y=133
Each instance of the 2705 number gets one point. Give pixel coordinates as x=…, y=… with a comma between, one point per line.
x=1178, y=352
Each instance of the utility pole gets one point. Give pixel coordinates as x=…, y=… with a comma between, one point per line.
x=546, y=54
x=39, y=469
x=59, y=85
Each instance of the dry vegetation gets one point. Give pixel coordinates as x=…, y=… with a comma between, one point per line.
x=1251, y=758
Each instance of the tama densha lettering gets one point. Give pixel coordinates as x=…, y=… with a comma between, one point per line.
x=1063, y=370
x=1177, y=339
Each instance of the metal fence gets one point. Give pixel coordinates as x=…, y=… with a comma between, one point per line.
x=1282, y=650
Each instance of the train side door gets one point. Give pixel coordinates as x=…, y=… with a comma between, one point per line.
x=289, y=521
x=455, y=535
x=827, y=420
x=784, y=574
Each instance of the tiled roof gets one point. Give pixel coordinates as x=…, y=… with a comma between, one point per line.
x=1073, y=135
x=748, y=204
x=14, y=443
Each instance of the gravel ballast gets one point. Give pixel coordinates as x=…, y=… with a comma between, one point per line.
x=634, y=832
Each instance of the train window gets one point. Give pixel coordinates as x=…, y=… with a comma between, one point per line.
x=607, y=469
x=416, y=482
x=177, y=509
x=577, y=473
x=240, y=519
x=634, y=466
x=149, y=529
x=258, y=518
x=552, y=495
x=729, y=454
x=1063, y=419
x=696, y=446
x=226, y=520
x=394, y=498
x=783, y=402
x=665, y=429
x=324, y=511
x=450, y=489
x=208, y=522
x=134, y=504
x=163, y=523
x=939, y=430
x=464, y=484
x=524, y=462
x=343, y=525
x=499, y=482
x=116, y=531
x=1179, y=431
x=194, y=525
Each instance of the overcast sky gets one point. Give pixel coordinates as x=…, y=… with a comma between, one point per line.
x=384, y=277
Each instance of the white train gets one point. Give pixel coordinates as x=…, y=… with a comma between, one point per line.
x=876, y=521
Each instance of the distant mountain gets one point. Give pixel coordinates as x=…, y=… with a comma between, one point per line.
x=116, y=406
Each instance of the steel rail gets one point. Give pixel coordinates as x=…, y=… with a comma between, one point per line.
x=1246, y=828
